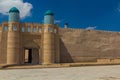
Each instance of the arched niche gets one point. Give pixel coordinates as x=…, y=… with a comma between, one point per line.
x=31, y=53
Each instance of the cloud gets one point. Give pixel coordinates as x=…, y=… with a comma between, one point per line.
x=91, y=28
x=24, y=7
x=118, y=7
x=57, y=21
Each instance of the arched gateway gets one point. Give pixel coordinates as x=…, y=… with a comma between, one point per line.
x=31, y=53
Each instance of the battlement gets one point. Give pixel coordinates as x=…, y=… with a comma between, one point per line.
x=26, y=27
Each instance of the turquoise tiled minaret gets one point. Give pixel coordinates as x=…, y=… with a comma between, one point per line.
x=14, y=15
x=49, y=17
x=13, y=37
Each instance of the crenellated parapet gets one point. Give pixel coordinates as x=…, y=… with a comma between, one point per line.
x=29, y=27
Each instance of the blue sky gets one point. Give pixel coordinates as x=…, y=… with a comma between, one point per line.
x=95, y=14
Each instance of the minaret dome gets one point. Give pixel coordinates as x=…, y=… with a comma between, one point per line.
x=14, y=15
x=49, y=12
x=14, y=9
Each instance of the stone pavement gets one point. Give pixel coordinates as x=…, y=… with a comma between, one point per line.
x=71, y=73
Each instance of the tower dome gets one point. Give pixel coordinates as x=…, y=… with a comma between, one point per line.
x=14, y=9
x=49, y=12
x=49, y=17
x=14, y=15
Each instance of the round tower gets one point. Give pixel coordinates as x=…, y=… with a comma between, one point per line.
x=49, y=17
x=13, y=38
x=48, y=39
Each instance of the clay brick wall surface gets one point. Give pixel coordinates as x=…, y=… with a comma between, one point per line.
x=3, y=47
x=77, y=45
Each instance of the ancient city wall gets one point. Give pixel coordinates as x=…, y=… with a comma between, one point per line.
x=79, y=45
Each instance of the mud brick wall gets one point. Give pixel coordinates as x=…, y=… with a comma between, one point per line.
x=77, y=45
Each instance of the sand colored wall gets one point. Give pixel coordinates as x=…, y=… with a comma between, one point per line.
x=57, y=48
x=50, y=48
x=3, y=44
x=28, y=36
x=108, y=60
x=79, y=45
x=3, y=49
x=13, y=43
x=31, y=39
x=27, y=39
x=60, y=45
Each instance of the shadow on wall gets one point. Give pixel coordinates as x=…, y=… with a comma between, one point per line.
x=65, y=56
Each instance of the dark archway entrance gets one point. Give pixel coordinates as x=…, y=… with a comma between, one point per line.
x=28, y=56
x=31, y=53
